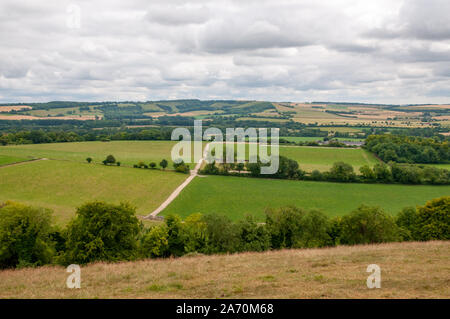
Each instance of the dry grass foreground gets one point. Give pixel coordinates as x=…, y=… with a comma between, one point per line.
x=408, y=270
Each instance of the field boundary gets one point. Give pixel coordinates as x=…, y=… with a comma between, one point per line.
x=24, y=162
x=177, y=191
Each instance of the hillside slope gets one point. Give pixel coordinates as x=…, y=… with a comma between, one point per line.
x=408, y=270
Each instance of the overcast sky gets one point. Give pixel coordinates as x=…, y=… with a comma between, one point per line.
x=384, y=51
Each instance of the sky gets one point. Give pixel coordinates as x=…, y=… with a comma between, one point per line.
x=384, y=51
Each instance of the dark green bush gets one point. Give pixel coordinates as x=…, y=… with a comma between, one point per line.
x=175, y=235
x=291, y=227
x=154, y=242
x=223, y=234
x=433, y=220
x=253, y=237
x=195, y=235
x=25, y=236
x=102, y=232
x=368, y=225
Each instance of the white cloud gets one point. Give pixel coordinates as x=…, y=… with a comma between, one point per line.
x=388, y=51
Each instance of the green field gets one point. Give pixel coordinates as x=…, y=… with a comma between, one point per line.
x=322, y=158
x=127, y=152
x=63, y=185
x=236, y=196
x=311, y=158
x=6, y=160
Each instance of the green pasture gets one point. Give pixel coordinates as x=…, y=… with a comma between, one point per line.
x=63, y=185
x=237, y=196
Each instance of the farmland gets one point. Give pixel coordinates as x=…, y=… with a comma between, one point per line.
x=63, y=185
x=322, y=158
x=237, y=196
x=312, y=158
x=6, y=160
x=127, y=152
x=410, y=270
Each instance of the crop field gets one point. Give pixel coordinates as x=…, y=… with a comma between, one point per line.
x=237, y=196
x=127, y=152
x=63, y=185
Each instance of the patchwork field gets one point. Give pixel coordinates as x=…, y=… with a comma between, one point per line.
x=127, y=152
x=409, y=270
x=237, y=196
x=63, y=185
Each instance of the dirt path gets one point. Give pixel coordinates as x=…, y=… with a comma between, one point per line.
x=177, y=191
x=24, y=162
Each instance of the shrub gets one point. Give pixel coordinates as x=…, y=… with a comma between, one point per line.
x=293, y=227
x=155, y=243
x=407, y=221
x=102, y=231
x=195, y=234
x=253, y=237
x=89, y=159
x=223, y=234
x=163, y=164
x=283, y=225
x=109, y=160
x=316, y=175
x=118, y=163
x=183, y=169
x=368, y=225
x=25, y=236
x=175, y=235
x=433, y=220
x=367, y=173
x=152, y=165
x=334, y=231
x=341, y=172
x=313, y=230
x=382, y=172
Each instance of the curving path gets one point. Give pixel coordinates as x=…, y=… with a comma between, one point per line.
x=177, y=191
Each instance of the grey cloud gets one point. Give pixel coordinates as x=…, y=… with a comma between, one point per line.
x=273, y=50
x=421, y=19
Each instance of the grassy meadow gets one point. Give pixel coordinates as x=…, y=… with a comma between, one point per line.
x=127, y=152
x=409, y=270
x=237, y=196
x=63, y=185
x=311, y=158
x=322, y=158
x=7, y=160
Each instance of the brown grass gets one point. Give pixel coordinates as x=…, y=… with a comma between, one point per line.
x=14, y=108
x=408, y=270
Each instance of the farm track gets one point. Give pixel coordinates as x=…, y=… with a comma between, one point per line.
x=24, y=162
x=178, y=190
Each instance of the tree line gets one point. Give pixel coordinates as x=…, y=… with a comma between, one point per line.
x=107, y=232
x=339, y=172
x=409, y=149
